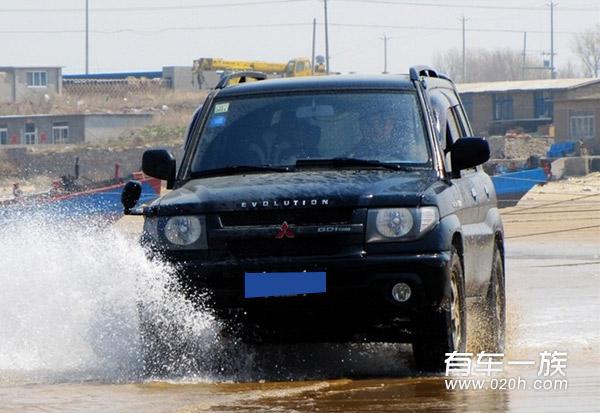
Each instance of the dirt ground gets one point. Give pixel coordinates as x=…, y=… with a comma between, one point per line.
x=565, y=210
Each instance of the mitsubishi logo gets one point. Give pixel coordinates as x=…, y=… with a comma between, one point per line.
x=284, y=231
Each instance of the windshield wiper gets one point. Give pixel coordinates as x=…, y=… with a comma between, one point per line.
x=234, y=169
x=343, y=162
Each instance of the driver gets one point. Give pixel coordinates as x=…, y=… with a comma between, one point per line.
x=389, y=135
x=378, y=134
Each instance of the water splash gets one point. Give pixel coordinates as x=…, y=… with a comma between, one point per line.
x=68, y=304
x=69, y=312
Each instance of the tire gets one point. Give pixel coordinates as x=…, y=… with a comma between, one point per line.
x=494, y=308
x=445, y=329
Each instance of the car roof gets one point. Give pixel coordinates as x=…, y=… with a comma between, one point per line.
x=312, y=83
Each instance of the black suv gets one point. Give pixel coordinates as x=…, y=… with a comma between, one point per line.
x=334, y=209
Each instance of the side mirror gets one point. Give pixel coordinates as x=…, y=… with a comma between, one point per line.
x=159, y=163
x=469, y=152
x=131, y=195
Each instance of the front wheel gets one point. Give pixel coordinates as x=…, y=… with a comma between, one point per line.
x=494, y=308
x=443, y=330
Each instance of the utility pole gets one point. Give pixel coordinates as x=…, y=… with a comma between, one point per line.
x=524, y=64
x=552, y=72
x=87, y=37
x=326, y=39
x=312, y=61
x=385, y=42
x=464, y=60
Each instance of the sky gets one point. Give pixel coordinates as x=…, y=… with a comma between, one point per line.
x=137, y=35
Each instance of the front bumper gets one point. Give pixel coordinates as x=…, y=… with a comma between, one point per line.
x=357, y=305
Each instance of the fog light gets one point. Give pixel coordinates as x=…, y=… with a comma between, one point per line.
x=401, y=292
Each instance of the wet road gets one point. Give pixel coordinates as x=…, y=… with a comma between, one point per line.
x=553, y=293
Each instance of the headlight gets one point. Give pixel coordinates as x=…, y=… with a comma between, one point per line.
x=400, y=224
x=183, y=230
x=394, y=223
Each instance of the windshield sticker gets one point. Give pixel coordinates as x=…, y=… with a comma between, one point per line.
x=221, y=107
x=217, y=121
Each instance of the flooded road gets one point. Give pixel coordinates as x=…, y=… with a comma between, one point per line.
x=70, y=344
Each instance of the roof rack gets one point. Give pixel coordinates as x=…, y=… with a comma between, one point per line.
x=242, y=75
x=426, y=71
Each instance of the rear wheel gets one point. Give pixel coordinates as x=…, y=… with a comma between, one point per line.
x=444, y=330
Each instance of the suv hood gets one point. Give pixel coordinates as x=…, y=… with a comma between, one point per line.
x=300, y=189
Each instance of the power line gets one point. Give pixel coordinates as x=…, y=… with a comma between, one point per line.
x=466, y=6
x=152, y=8
x=267, y=25
x=158, y=31
x=440, y=28
x=271, y=2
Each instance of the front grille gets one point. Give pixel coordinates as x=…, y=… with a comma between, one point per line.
x=289, y=247
x=298, y=217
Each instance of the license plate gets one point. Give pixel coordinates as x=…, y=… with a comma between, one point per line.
x=280, y=284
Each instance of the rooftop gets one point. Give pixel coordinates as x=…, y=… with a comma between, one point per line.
x=524, y=85
x=320, y=83
x=4, y=68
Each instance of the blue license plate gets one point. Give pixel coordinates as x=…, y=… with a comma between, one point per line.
x=279, y=284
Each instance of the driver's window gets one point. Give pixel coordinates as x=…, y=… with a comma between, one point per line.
x=453, y=133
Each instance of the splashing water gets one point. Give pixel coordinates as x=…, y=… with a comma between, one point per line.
x=69, y=312
x=68, y=304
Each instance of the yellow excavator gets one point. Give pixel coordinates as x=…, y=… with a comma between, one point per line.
x=296, y=67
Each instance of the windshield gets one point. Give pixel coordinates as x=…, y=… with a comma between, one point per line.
x=280, y=130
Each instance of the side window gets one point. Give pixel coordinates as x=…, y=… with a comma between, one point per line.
x=191, y=126
x=3, y=135
x=455, y=131
x=464, y=123
x=439, y=104
x=464, y=113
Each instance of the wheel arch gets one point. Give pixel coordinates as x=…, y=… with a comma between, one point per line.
x=457, y=243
